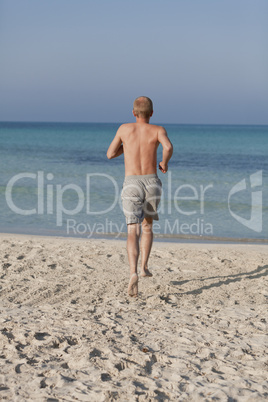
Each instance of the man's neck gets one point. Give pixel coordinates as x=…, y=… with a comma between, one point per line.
x=143, y=120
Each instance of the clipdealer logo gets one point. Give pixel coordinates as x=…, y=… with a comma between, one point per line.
x=48, y=193
x=255, y=220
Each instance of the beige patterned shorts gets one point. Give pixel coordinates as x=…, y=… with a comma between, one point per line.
x=140, y=197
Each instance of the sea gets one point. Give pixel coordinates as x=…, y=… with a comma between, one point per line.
x=56, y=180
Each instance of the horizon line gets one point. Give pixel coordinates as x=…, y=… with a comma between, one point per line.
x=156, y=123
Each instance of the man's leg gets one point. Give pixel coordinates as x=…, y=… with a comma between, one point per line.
x=133, y=256
x=146, y=245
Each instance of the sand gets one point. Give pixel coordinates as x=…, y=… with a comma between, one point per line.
x=69, y=331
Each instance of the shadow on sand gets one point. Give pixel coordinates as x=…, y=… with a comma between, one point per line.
x=223, y=280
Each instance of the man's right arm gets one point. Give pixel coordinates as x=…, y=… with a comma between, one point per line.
x=116, y=147
x=167, y=149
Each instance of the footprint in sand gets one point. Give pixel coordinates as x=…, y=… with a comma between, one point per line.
x=52, y=266
x=105, y=377
x=41, y=336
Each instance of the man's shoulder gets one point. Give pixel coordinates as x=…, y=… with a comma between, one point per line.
x=158, y=129
x=156, y=126
x=126, y=126
x=124, y=129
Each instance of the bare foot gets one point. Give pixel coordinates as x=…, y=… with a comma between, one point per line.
x=133, y=286
x=146, y=272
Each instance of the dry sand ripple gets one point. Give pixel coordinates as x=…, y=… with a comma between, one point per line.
x=69, y=331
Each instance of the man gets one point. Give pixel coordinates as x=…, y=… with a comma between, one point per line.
x=142, y=188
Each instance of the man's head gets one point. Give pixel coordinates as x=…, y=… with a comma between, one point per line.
x=143, y=107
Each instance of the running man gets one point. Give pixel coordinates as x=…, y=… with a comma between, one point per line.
x=142, y=188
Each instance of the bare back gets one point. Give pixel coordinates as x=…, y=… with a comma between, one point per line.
x=140, y=143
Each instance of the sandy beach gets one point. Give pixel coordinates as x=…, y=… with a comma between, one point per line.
x=69, y=331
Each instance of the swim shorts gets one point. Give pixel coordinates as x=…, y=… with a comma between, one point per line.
x=140, y=197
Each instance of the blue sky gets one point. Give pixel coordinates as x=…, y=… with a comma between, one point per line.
x=201, y=61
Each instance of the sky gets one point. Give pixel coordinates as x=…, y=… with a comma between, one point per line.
x=200, y=61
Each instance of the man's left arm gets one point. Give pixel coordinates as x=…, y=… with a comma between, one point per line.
x=116, y=147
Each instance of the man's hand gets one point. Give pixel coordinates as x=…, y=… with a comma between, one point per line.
x=163, y=167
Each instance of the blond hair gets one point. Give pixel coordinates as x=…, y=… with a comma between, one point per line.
x=143, y=107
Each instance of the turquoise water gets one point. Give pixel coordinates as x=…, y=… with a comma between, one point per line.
x=63, y=184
